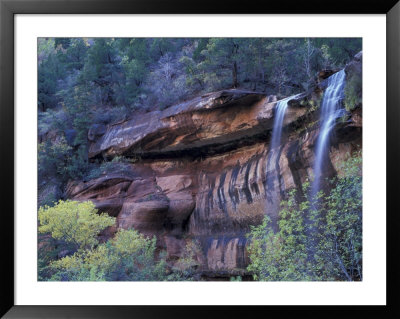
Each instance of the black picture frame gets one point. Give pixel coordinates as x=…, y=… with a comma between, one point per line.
x=8, y=8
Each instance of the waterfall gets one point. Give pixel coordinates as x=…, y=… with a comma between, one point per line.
x=330, y=111
x=272, y=173
x=280, y=111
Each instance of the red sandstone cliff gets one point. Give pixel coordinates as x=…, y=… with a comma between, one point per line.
x=199, y=169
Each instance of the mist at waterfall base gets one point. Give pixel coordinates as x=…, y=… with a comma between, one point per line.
x=331, y=110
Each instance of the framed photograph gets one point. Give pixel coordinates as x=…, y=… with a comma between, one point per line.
x=167, y=159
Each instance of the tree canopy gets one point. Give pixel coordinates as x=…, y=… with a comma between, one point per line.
x=126, y=71
x=74, y=222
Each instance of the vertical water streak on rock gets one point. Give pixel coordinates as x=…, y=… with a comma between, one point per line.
x=254, y=185
x=210, y=197
x=245, y=187
x=221, y=195
x=233, y=191
x=330, y=111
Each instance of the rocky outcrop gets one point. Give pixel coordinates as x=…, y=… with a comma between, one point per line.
x=199, y=169
x=209, y=124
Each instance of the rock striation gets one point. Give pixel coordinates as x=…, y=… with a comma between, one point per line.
x=199, y=169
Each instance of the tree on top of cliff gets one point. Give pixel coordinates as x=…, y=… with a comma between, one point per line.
x=120, y=69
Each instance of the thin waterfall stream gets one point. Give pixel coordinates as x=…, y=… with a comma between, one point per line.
x=331, y=110
x=272, y=169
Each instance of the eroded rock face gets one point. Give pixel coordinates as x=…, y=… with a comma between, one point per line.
x=202, y=173
x=205, y=125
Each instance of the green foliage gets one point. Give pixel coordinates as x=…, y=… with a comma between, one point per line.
x=87, y=265
x=51, y=120
x=77, y=100
x=129, y=256
x=53, y=158
x=337, y=51
x=78, y=164
x=185, y=267
x=45, y=48
x=74, y=55
x=285, y=66
x=49, y=250
x=62, y=42
x=134, y=64
x=49, y=192
x=353, y=92
x=237, y=278
x=318, y=238
x=341, y=241
x=74, y=222
x=49, y=200
x=49, y=71
x=222, y=56
x=122, y=71
x=136, y=256
x=281, y=256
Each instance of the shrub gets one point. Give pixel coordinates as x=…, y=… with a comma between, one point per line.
x=51, y=120
x=74, y=222
x=77, y=165
x=237, y=278
x=186, y=266
x=58, y=160
x=49, y=193
x=87, y=265
x=129, y=256
x=318, y=238
x=54, y=158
